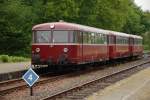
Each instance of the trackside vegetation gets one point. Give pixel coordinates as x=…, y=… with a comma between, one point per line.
x=18, y=16
x=6, y=58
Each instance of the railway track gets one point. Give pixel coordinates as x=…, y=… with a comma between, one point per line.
x=82, y=90
x=9, y=86
x=17, y=84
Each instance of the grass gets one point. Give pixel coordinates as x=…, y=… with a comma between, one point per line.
x=6, y=58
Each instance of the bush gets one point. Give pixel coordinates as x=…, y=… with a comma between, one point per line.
x=4, y=58
x=18, y=59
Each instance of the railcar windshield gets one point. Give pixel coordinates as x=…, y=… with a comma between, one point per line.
x=42, y=37
x=60, y=37
x=54, y=37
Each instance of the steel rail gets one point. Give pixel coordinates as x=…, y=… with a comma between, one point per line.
x=53, y=96
x=24, y=85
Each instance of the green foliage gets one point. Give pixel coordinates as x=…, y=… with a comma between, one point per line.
x=146, y=41
x=18, y=59
x=18, y=16
x=146, y=35
x=146, y=20
x=6, y=58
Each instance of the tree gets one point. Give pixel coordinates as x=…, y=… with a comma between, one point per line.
x=14, y=30
x=133, y=24
x=17, y=18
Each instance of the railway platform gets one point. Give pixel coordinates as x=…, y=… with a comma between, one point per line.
x=13, y=67
x=136, y=87
x=13, y=70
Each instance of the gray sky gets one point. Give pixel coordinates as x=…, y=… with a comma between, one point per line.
x=144, y=4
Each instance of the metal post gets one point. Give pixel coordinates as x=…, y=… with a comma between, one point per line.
x=31, y=91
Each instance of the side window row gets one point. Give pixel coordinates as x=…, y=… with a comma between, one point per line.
x=94, y=38
x=122, y=40
x=138, y=41
x=100, y=38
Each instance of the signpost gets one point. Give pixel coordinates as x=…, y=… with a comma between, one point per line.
x=30, y=78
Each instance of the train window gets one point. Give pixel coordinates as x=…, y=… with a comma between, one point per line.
x=96, y=38
x=105, y=39
x=60, y=37
x=89, y=38
x=123, y=40
x=42, y=36
x=85, y=37
x=135, y=41
x=111, y=39
x=72, y=36
x=120, y=41
x=92, y=38
x=78, y=36
x=100, y=38
x=141, y=41
x=131, y=41
x=75, y=37
x=117, y=40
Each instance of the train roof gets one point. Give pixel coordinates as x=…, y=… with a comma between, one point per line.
x=125, y=34
x=119, y=33
x=136, y=36
x=73, y=26
x=67, y=26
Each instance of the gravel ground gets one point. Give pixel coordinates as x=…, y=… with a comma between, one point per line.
x=54, y=87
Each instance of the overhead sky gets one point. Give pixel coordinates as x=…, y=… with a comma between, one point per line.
x=144, y=4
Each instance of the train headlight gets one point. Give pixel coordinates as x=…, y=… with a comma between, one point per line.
x=52, y=26
x=37, y=49
x=65, y=50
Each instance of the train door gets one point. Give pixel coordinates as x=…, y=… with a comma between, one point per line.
x=131, y=40
x=112, y=46
x=80, y=46
x=81, y=34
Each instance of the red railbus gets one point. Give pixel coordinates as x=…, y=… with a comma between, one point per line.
x=68, y=43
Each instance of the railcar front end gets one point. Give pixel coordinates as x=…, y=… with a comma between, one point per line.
x=53, y=47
